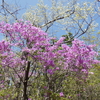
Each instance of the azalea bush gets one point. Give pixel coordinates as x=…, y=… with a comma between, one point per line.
x=34, y=67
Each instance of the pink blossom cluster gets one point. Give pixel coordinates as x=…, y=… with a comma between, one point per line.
x=23, y=37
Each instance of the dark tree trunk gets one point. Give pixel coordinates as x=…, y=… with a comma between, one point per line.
x=25, y=96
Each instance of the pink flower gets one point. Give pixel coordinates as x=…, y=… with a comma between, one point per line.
x=61, y=94
x=29, y=99
x=60, y=41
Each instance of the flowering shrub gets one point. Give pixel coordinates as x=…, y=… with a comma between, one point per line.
x=28, y=55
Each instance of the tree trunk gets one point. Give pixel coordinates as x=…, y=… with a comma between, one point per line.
x=25, y=96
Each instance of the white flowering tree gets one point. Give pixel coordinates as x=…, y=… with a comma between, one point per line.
x=93, y=37
x=70, y=16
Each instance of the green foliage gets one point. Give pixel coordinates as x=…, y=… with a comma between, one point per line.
x=8, y=94
x=72, y=88
x=68, y=38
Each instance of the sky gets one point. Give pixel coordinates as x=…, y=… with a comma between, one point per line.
x=25, y=4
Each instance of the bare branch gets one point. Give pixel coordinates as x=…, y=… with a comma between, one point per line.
x=58, y=18
x=7, y=11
